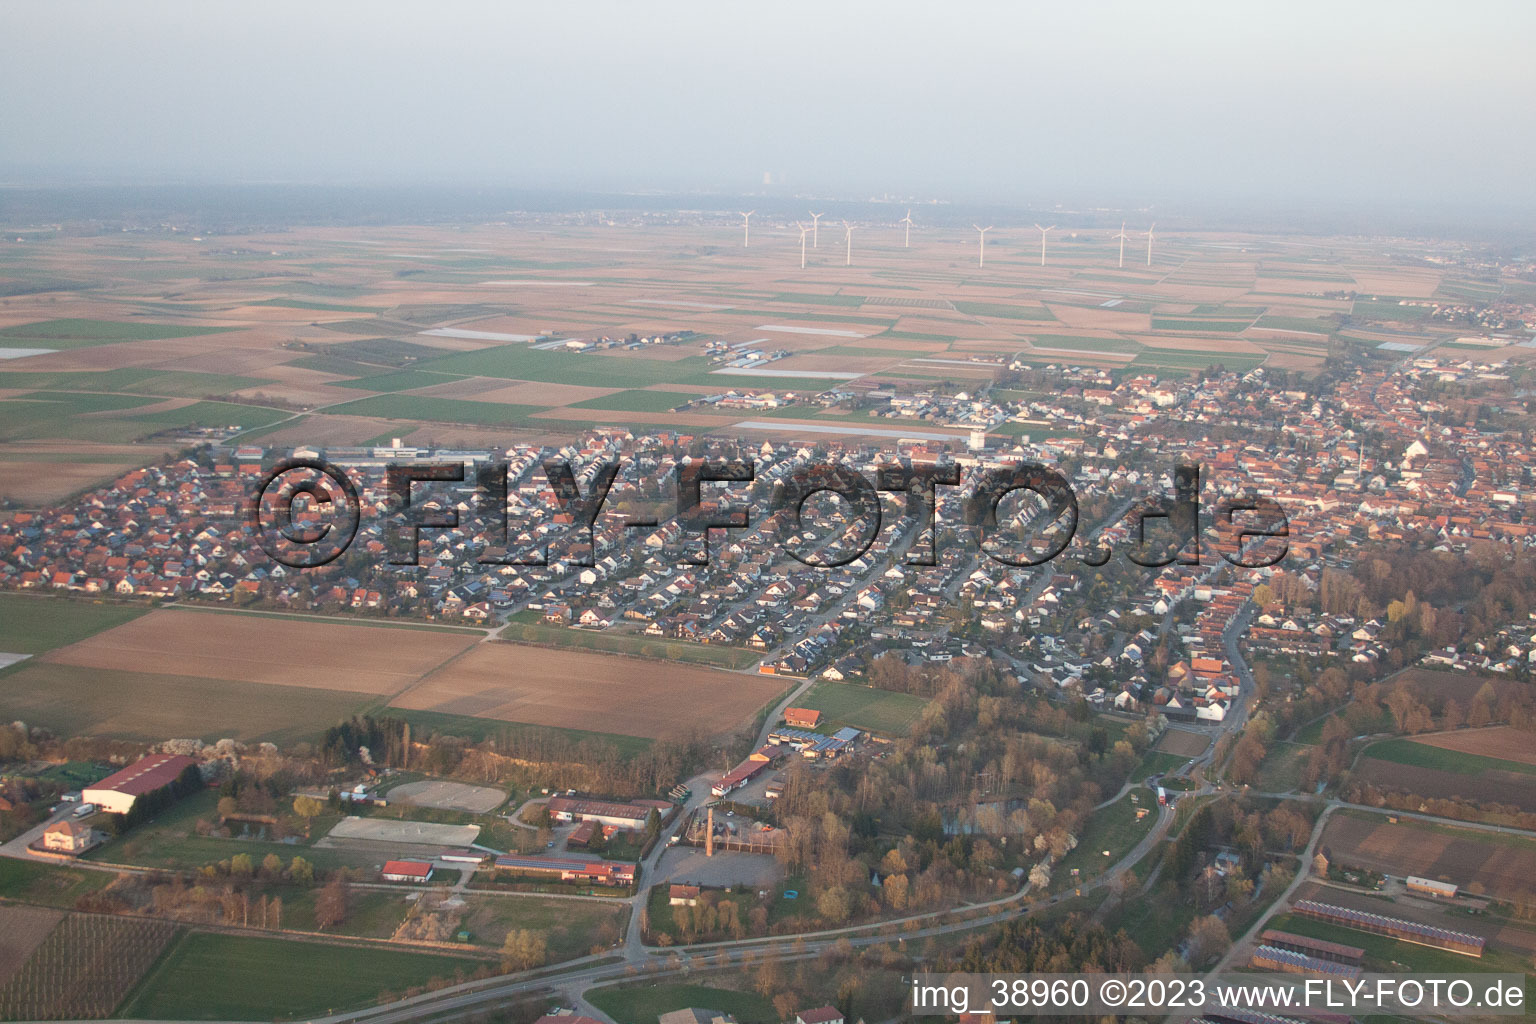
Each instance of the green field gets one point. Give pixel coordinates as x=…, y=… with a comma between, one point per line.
x=207, y=976
x=1115, y=829
x=1387, y=309
x=519, y=362
x=642, y=1004
x=1156, y=762
x=1215, y=326
x=47, y=884
x=1077, y=343
x=1281, y=770
x=131, y=380
x=437, y=410
x=75, y=701
x=330, y=307
x=864, y=707
x=84, y=333
x=570, y=927
x=1296, y=323
x=816, y=299
x=637, y=401
x=402, y=380
x=1174, y=359
x=634, y=645
x=507, y=734
x=53, y=413
x=215, y=414
x=1422, y=755
x=32, y=625
x=1004, y=311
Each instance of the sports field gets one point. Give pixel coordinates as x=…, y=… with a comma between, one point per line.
x=590, y=691
x=864, y=707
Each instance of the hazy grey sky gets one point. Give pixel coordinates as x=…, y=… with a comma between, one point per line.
x=1398, y=102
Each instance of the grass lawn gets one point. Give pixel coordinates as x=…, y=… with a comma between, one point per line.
x=1159, y=761
x=371, y=913
x=1422, y=755
x=1155, y=922
x=642, y=1004
x=47, y=884
x=208, y=976
x=570, y=927
x=32, y=625
x=171, y=841
x=1115, y=829
x=1281, y=770
x=864, y=707
x=77, y=701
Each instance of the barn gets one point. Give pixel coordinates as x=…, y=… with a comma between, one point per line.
x=418, y=871
x=801, y=718
x=117, y=793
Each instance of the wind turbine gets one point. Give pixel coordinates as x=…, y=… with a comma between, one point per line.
x=1149, y=243
x=1043, y=232
x=1122, y=237
x=907, y=220
x=802, y=243
x=848, y=237
x=815, y=235
x=981, y=253
x=746, y=228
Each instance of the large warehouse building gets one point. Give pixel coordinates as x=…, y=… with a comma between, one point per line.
x=116, y=793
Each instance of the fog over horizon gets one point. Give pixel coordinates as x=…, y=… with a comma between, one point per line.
x=1410, y=106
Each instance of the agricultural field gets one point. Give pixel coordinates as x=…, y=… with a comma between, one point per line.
x=1501, y=743
x=204, y=674
x=173, y=337
x=1450, y=769
x=207, y=976
x=83, y=967
x=22, y=930
x=590, y=691
x=863, y=707
x=375, y=660
x=78, y=701
x=32, y=625
x=1502, y=866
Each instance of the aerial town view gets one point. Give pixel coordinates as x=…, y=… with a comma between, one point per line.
x=568, y=590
